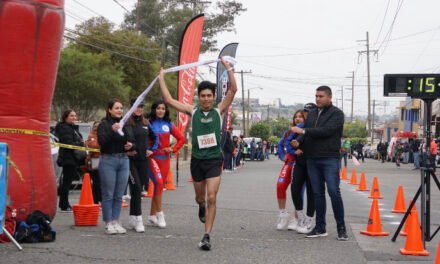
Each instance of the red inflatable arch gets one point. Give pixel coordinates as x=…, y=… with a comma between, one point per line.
x=30, y=42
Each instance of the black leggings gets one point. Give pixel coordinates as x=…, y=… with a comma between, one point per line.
x=69, y=173
x=138, y=171
x=300, y=176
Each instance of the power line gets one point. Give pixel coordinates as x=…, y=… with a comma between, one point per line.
x=109, y=42
x=390, y=30
x=105, y=49
x=91, y=10
x=383, y=22
x=300, y=54
x=123, y=7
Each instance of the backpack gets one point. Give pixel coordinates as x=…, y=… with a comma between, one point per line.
x=36, y=228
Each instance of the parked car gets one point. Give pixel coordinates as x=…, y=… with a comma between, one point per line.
x=247, y=145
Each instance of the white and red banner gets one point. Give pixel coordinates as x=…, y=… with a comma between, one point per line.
x=189, y=53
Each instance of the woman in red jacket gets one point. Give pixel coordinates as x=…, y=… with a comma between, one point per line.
x=163, y=127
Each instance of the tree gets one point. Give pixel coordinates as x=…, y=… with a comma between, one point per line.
x=279, y=126
x=85, y=83
x=260, y=130
x=356, y=129
x=165, y=21
x=137, y=55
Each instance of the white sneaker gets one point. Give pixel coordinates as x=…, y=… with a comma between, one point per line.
x=119, y=229
x=283, y=221
x=139, y=225
x=161, y=220
x=152, y=220
x=126, y=197
x=293, y=224
x=301, y=219
x=110, y=229
x=132, y=221
x=306, y=227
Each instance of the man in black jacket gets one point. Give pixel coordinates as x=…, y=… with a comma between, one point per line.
x=321, y=141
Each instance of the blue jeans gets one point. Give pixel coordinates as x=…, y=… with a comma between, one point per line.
x=321, y=171
x=416, y=160
x=113, y=171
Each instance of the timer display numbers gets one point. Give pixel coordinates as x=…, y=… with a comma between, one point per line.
x=424, y=86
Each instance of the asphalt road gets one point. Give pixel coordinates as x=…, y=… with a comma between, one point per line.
x=244, y=230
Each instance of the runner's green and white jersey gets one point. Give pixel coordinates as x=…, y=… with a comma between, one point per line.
x=206, y=130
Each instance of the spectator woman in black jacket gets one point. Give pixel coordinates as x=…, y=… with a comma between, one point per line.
x=67, y=132
x=143, y=134
x=113, y=165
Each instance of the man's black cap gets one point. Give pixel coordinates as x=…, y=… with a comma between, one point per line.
x=309, y=107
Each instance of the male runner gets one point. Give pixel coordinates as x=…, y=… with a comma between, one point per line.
x=206, y=157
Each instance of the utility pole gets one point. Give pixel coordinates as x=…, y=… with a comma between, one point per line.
x=342, y=96
x=352, y=94
x=368, y=79
x=267, y=112
x=372, y=132
x=242, y=99
x=138, y=15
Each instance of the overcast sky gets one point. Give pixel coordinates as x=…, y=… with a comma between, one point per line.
x=293, y=46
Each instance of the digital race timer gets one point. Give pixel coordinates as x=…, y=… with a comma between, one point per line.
x=425, y=86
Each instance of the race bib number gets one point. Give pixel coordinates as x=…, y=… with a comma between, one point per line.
x=207, y=141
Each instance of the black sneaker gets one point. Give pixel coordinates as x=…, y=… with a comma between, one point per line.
x=67, y=210
x=202, y=212
x=316, y=232
x=205, y=244
x=342, y=234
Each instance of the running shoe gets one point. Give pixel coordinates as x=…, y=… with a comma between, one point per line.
x=317, y=232
x=283, y=221
x=161, y=220
x=306, y=227
x=205, y=244
x=202, y=212
x=110, y=229
x=67, y=210
x=119, y=229
x=342, y=234
x=152, y=220
x=293, y=224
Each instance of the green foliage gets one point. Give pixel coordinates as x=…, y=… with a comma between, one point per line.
x=274, y=139
x=357, y=140
x=355, y=129
x=85, y=83
x=261, y=130
x=165, y=21
x=138, y=72
x=279, y=126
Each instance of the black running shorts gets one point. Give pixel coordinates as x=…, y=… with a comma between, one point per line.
x=202, y=169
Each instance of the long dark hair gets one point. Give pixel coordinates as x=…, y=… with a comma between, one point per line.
x=65, y=114
x=152, y=114
x=110, y=106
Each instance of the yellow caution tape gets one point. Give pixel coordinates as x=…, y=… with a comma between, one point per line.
x=23, y=131
x=15, y=168
x=75, y=147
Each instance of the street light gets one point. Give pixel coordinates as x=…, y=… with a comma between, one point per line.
x=249, y=105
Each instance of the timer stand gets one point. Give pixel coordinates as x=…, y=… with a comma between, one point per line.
x=426, y=171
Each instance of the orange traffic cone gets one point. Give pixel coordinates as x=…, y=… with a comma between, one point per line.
x=124, y=204
x=405, y=230
x=363, y=184
x=399, y=204
x=170, y=182
x=353, y=180
x=437, y=259
x=86, y=213
x=374, y=226
x=150, y=189
x=414, y=243
x=86, y=196
x=375, y=191
x=344, y=174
